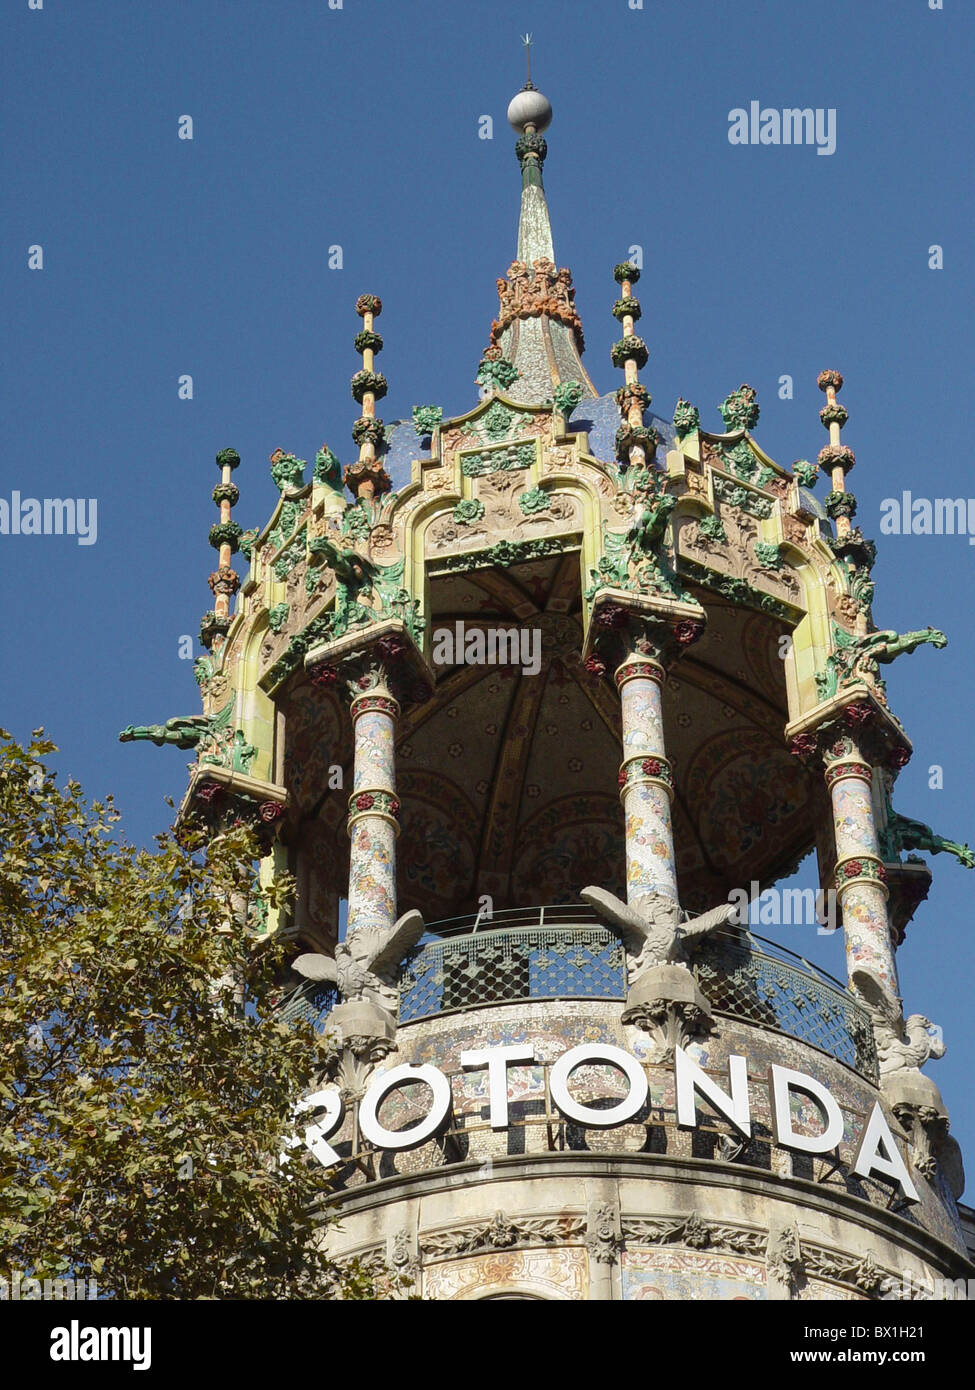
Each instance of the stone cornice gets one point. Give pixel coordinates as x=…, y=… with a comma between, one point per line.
x=709, y=1174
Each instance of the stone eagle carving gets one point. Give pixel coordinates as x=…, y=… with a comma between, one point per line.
x=902, y=1044
x=652, y=931
x=365, y=965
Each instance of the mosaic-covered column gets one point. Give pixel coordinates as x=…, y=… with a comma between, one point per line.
x=373, y=807
x=859, y=866
x=646, y=784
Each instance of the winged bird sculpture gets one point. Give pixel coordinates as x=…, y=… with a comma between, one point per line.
x=652, y=931
x=902, y=1044
x=366, y=963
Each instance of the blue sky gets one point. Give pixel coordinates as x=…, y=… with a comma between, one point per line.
x=359, y=127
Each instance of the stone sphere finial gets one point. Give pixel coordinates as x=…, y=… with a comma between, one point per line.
x=529, y=108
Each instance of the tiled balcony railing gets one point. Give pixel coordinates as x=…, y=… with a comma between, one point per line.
x=565, y=953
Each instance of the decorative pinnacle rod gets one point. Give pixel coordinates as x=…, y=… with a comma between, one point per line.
x=368, y=477
x=224, y=538
x=836, y=457
x=633, y=441
x=527, y=41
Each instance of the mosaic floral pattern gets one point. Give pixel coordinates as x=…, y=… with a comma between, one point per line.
x=853, y=818
x=542, y=1273
x=575, y=840
x=864, y=905
x=643, y=726
x=372, y=889
x=374, y=765
x=650, y=864
x=867, y=932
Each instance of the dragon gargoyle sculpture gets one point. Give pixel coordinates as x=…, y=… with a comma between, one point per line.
x=213, y=736
x=901, y=832
x=350, y=568
x=857, y=658
x=184, y=731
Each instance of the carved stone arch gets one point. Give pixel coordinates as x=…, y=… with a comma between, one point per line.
x=415, y=527
x=522, y=1292
x=587, y=492
x=811, y=639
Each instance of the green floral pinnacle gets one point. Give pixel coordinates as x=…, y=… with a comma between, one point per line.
x=628, y=347
x=629, y=305
x=287, y=470
x=367, y=339
x=426, y=419
x=806, y=473
x=631, y=436
x=567, y=396
x=626, y=270
x=687, y=418
x=211, y=627
x=228, y=458
x=633, y=393
x=369, y=428
x=226, y=492
x=739, y=411
x=840, y=504
x=496, y=372
x=836, y=456
x=834, y=414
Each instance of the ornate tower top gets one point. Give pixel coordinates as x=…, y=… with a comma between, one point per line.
x=536, y=340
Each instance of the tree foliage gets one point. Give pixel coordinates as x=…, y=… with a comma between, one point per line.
x=146, y=1085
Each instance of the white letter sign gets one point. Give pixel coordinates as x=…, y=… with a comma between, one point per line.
x=610, y=1056
x=782, y=1080
x=388, y=1081
x=877, y=1152
x=689, y=1077
x=497, y=1061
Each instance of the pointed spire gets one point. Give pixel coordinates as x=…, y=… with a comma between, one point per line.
x=536, y=340
x=529, y=113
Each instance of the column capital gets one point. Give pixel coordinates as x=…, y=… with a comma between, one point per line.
x=847, y=731
x=626, y=625
x=382, y=663
x=223, y=799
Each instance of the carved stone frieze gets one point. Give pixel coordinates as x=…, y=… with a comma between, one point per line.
x=854, y=1271
x=732, y=547
x=695, y=1233
x=502, y=1233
